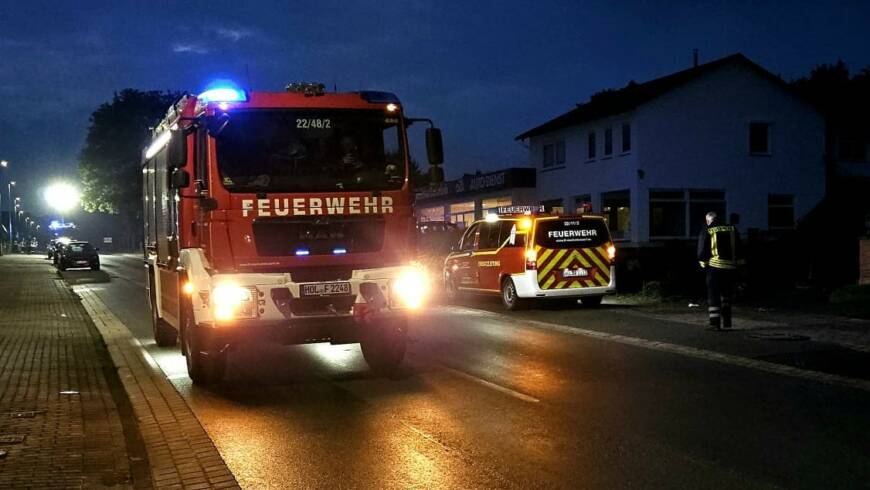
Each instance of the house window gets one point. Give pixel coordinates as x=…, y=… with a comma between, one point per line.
x=549, y=156
x=492, y=204
x=852, y=148
x=616, y=208
x=608, y=142
x=667, y=213
x=591, y=146
x=702, y=202
x=673, y=212
x=759, y=138
x=626, y=138
x=553, y=206
x=780, y=212
x=560, y=152
x=462, y=213
x=583, y=203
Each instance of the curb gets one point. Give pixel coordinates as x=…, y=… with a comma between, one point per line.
x=180, y=452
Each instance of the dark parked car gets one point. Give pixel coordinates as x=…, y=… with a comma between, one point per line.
x=78, y=255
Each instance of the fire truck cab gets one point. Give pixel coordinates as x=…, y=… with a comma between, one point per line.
x=522, y=255
x=282, y=215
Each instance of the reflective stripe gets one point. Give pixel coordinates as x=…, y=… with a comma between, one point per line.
x=714, y=315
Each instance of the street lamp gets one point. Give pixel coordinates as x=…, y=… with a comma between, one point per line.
x=4, y=164
x=62, y=197
x=11, y=183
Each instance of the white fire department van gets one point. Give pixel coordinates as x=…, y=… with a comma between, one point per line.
x=524, y=256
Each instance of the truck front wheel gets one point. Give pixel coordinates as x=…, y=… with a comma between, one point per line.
x=205, y=365
x=384, y=347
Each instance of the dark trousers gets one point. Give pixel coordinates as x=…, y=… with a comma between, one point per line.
x=720, y=292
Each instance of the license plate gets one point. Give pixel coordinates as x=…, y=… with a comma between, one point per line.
x=81, y=262
x=575, y=273
x=325, y=289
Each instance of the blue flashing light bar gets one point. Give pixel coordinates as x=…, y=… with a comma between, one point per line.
x=374, y=97
x=301, y=251
x=224, y=94
x=339, y=251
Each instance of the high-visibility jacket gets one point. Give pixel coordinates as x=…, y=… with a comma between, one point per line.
x=719, y=246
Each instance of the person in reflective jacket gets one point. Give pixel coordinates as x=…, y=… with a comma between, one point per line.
x=719, y=250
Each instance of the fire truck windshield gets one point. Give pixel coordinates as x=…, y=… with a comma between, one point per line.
x=311, y=151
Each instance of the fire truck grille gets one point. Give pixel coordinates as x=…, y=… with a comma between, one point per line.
x=335, y=305
x=322, y=274
x=318, y=235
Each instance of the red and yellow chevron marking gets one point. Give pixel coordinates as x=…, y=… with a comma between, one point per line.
x=551, y=263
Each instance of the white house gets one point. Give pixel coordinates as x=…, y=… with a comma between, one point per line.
x=654, y=157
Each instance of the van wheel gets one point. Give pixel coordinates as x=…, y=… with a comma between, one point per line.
x=509, y=296
x=204, y=366
x=591, y=301
x=450, y=291
x=384, y=345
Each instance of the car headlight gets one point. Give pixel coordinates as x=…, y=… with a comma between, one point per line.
x=231, y=301
x=411, y=287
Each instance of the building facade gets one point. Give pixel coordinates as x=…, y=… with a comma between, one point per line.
x=464, y=200
x=655, y=157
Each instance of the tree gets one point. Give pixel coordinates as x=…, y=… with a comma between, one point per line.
x=109, y=161
x=418, y=177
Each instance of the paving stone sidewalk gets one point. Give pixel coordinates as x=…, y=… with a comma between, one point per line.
x=65, y=420
x=850, y=333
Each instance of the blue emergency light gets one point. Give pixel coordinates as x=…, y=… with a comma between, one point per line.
x=375, y=97
x=223, y=91
x=301, y=251
x=339, y=251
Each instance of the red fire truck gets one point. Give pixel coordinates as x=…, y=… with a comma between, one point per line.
x=282, y=215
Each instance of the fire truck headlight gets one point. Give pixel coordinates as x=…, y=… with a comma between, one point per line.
x=231, y=301
x=411, y=288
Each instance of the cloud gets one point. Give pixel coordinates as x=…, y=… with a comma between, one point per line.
x=189, y=48
x=234, y=35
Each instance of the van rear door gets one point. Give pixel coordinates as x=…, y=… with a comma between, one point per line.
x=572, y=252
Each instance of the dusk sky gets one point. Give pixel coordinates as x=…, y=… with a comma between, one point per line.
x=484, y=71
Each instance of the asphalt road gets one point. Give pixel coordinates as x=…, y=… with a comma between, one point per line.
x=489, y=400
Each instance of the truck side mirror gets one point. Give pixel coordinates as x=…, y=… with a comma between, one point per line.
x=177, y=151
x=434, y=146
x=180, y=179
x=436, y=175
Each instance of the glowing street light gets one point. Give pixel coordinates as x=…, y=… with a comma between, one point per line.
x=62, y=197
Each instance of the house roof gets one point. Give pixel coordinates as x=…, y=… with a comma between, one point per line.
x=617, y=101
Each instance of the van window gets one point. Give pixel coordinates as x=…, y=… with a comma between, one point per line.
x=488, y=236
x=469, y=240
x=509, y=235
x=571, y=233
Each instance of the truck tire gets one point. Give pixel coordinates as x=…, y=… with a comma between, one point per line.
x=165, y=334
x=204, y=366
x=384, y=346
x=509, y=297
x=591, y=301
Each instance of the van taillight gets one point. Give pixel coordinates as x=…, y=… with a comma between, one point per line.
x=531, y=260
x=611, y=253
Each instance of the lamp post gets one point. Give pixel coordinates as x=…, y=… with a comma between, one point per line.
x=11, y=183
x=4, y=164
